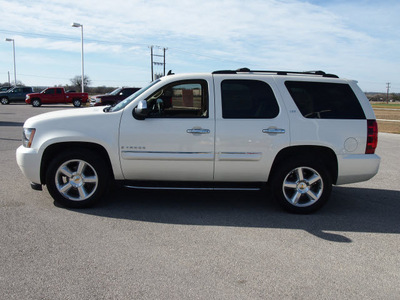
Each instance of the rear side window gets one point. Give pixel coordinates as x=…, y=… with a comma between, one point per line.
x=248, y=99
x=321, y=100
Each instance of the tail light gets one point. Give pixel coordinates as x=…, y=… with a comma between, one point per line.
x=372, y=137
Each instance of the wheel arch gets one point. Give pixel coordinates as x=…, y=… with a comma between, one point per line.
x=326, y=155
x=54, y=149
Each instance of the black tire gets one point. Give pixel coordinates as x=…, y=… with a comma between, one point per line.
x=77, y=179
x=77, y=102
x=36, y=103
x=301, y=185
x=4, y=101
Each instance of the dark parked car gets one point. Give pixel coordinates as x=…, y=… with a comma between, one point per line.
x=5, y=88
x=112, y=98
x=15, y=94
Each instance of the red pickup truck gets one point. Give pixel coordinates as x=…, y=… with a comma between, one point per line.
x=56, y=95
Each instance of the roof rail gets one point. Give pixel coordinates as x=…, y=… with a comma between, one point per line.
x=247, y=70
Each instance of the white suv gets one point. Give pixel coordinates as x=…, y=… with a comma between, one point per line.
x=298, y=132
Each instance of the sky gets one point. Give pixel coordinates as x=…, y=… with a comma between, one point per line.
x=355, y=39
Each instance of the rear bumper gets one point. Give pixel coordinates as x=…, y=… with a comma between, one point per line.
x=357, y=167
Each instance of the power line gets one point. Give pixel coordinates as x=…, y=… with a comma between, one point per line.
x=104, y=42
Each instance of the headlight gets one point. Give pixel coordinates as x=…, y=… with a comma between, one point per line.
x=27, y=97
x=27, y=137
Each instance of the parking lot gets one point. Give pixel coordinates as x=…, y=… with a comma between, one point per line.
x=197, y=245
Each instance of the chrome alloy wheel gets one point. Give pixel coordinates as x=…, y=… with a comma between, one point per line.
x=303, y=186
x=76, y=180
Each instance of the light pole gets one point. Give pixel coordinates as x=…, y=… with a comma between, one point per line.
x=15, y=69
x=83, y=73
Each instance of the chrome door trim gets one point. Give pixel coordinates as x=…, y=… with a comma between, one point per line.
x=166, y=155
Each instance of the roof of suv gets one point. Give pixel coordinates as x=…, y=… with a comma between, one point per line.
x=246, y=70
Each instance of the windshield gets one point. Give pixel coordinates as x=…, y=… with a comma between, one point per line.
x=132, y=97
x=115, y=92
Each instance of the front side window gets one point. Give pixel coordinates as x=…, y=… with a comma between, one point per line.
x=248, y=99
x=183, y=99
x=49, y=92
x=322, y=100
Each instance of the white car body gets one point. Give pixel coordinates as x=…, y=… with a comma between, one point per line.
x=209, y=149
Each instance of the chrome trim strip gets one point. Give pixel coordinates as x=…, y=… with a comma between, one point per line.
x=166, y=155
x=239, y=156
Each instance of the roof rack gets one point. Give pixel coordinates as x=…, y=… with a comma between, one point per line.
x=247, y=70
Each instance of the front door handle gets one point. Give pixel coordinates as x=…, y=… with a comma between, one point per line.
x=273, y=130
x=198, y=131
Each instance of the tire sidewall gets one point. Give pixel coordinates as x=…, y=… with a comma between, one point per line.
x=36, y=103
x=77, y=103
x=89, y=157
x=4, y=101
x=287, y=167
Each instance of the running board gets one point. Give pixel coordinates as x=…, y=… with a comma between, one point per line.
x=189, y=188
x=195, y=186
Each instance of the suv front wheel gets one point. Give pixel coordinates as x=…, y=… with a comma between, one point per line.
x=301, y=186
x=36, y=103
x=77, y=179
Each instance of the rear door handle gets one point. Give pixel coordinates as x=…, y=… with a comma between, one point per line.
x=273, y=130
x=198, y=131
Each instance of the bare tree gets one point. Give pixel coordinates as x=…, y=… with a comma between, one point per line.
x=77, y=81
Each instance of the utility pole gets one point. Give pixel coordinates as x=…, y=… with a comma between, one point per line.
x=157, y=63
x=387, y=91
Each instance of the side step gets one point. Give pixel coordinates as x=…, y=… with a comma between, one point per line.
x=195, y=186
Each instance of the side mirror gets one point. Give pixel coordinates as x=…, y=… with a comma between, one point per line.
x=140, y=112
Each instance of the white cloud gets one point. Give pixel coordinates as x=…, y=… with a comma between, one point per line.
x=340, y=36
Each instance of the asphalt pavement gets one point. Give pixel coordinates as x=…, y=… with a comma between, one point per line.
x=196, y=245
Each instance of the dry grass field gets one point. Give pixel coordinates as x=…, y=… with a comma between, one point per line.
x=388, y=116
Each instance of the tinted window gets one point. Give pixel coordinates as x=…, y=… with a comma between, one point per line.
x=320, y=100
x=184, y=99
x=248, y=99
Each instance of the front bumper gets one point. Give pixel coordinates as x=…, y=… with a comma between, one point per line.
x=29, y=162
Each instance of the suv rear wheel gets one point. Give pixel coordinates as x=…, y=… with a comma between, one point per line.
x=77, y=179
x=301, y=186
x=77, y=102
x=4, y=101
